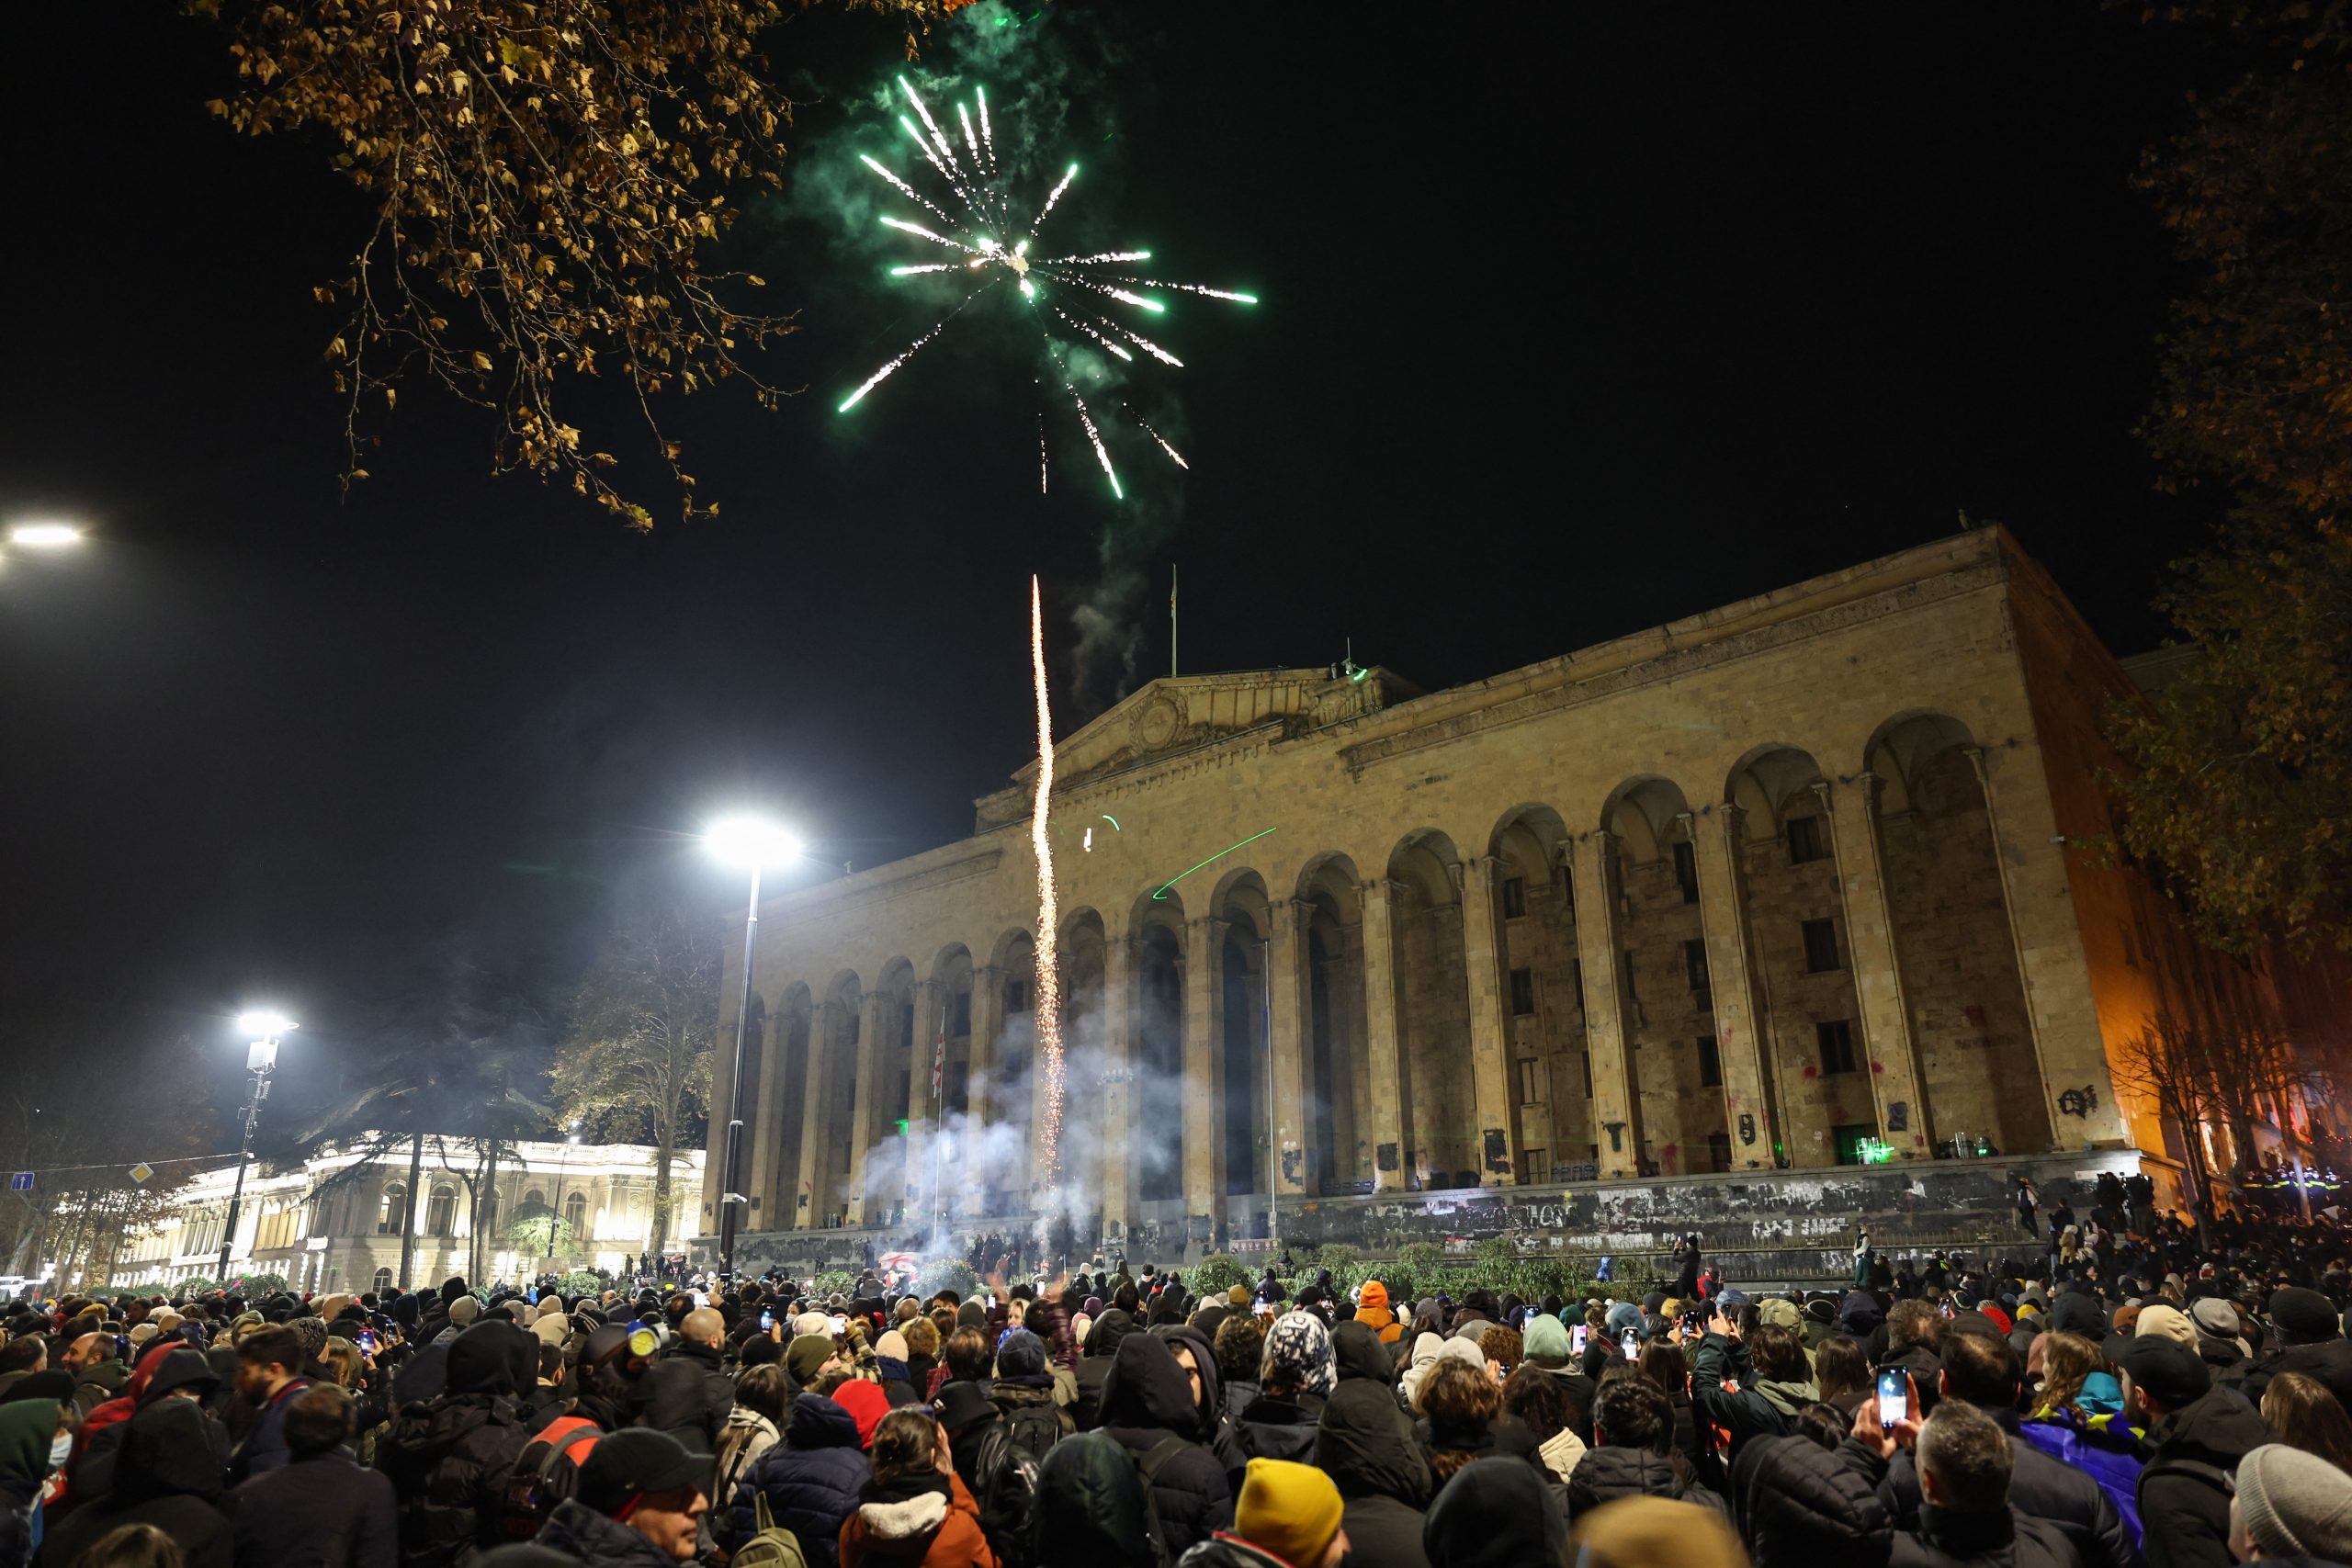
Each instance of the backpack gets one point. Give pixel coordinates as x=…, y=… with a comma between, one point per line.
x=546, y=1473
x=1148, y=1470
x=1007, y=1492
x=772, y=1545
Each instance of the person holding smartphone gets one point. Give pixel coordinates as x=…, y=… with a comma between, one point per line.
x=1752, y=1385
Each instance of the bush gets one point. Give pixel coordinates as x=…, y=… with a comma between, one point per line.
x=1334, y=1257
x=1215, y=1276
x=580, y=1283
x=946, y=1274
x=833, y=1282
x=252, y=1286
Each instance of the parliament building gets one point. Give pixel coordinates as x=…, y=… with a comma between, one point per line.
x=1804, y=882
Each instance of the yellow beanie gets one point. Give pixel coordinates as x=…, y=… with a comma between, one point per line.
x=1291, y=1510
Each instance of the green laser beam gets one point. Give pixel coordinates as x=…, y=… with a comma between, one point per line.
x=1188, y=871
x=1113, y=821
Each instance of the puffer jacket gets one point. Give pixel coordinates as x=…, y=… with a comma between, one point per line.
x=1090, y=1507
x=2041, y=1487
x=1147, y=1400
x=1606, y=1475
x=932, y=1521
x=596, y=1542
x=1274, y=1427
x=1227, y=1550
x=1800, y=1507
x=449, y=1459
x=1103, y=1343
x=1945, y=1539
x=1367, y=1446
x=810, y=1480
x=2184, y=1511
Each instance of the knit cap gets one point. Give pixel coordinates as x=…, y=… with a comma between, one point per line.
x=2295, y=1504
x=867, y=1405
x=1547, y=1339
x=2168, y=1323
x=2305, y=1316
x=464, y=1310
x=1298, y=1350
x=1779, y=1312
x=1291, y=1510
x=1237, y=1296
x=806, y=1356
x=891, y=1347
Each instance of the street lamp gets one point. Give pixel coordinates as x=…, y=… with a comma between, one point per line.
x=44, y=536
x=261, y=1060
x=556, y=1218
x=747, y=843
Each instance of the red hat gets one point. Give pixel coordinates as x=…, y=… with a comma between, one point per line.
x=867, y=1405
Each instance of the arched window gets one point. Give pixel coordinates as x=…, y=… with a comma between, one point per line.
x=441, y=1211
x=393, y=1217
x=535, y=1199
x=383, y=1282
x=576, y=1216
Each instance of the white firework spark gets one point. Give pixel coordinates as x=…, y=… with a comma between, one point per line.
x=976, y=219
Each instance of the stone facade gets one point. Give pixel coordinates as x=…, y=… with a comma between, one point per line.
x=1752, y=892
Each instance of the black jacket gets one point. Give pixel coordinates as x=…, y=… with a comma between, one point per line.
x=2041, y=1487
x=1102, y=1347
x=1495, y=1513
x=449, y=1459
x=1277, y=1429
x=2184, y=1507
x=169, y=1477
x=686, y=1396
x=1605, y=1476
x=1089, y=1507
x=1945, y=1539
x=2076, y=1311
x=1747, y=1414
x=2330, y=1361
x=1800, y=1507
x=594, y=1541
x=1367, y=1446
x=1147, y=1399
x=320, y=1512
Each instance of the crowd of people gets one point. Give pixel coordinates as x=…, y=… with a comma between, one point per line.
x=2139, y=1393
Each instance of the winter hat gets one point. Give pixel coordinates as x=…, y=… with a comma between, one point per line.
x=2304, y=1317
x=806, y=1356
x=2171, y=1372
x=1237, y=1296
x=55, y=1384
x=551, y=1328
x=624, y=1466
x=1291, y=1510
x=464, y=1310
x=143, y=1332
x=1020, y=1355
x=2215, y=1319
x=453, y=1287
x=891, y=1347
x=1492, y=1514
x=867, y=1405
x=2295, y=1504
x=312, y=1333
x=759, y=1350
x=1298, y=1351
x=1547, y=1341
x=1779, y=1312
x=2166, y=1323
x=1374, y=1295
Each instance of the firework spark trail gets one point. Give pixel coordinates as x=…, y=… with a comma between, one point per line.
x=1096, y=261
x=1136, y=338
x=946, y=148
x=912, y=349
x=1047, y=1012
x=1054, y=196
x=1102, y=453
x=1090, y=331
x=1195, y=288
x=1043, y=469
x=988, y=138
x=934, y=266
x=905, y=227
x=1173, y=456
x=1119, y=294
x=905, y=190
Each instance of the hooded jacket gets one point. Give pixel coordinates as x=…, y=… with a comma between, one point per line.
x=1372, y=1310
x=686, y=1396
x=2184, y=1513
x=169, y=1477
x=932, y=1522
x=1089, y=1507
x=449, y=1457
x=1357, y=1352
x=27, y=1427
x=810, y=1480
x=1147, y=1400
x=1102, y=1347
x=90, y=1469
x=1367, y=1446
x=1605, y=1476
x=1495, y=1513
x=2330, y=1361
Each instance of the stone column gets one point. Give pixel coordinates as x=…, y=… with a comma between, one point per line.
x=1287, y=981
x=1615, y=1121
x=866, y=1115
x=765, y=1124
x=1731, y=980
x=1204, y=1072
x=1483, y=960
x=1892, y=1061
x=923, y=1108
x=987, y=1026
x=1117, y=1097
x=1977, y=760
x=816, y=1122
x=1383, y=1019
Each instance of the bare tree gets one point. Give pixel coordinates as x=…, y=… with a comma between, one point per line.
x=2196, y=1075
x=638, y=1054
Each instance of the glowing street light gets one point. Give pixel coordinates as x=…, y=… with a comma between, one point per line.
x=44, y=536
x=261, y=1060
x=755, y=844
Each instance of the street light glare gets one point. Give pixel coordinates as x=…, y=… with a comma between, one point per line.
x=266, y=1024
x=750, y=841
x=43, y=535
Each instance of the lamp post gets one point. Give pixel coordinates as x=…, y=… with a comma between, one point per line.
x=750, y=844
x=556, y=1217
x=261, y=1060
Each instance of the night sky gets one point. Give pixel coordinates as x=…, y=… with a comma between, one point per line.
x=1577, y=320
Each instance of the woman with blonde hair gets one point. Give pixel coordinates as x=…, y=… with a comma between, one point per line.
x=2307, y=1417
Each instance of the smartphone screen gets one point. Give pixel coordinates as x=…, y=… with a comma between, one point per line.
x=1631, y=1345
x=1894, y=1399
x=767, y=1321
x=1578, y=1336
